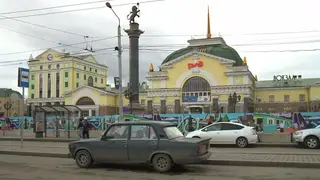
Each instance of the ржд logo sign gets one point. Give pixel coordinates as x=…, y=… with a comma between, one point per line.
x=195, y=64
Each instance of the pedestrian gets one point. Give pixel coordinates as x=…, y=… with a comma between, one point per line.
x=158, y=117
x=282, y=127
x=80, y=127
x=190, y=128
x=85, y=131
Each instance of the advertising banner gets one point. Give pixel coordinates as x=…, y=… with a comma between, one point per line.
x=196, y=98
x=40, y=123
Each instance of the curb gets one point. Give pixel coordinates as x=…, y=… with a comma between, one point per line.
x=286, y=145
x=208, y=162
x=261, y=164
x=39, y=140
x=37, y=154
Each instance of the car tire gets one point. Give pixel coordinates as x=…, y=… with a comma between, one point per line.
x=242, y=142
x=311, y=142
x=83, y=159
x=162, y=162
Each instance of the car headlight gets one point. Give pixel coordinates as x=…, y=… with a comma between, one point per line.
x=298, y=133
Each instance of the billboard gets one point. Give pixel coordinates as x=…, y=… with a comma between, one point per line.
x=196, y=98
x=23, y=77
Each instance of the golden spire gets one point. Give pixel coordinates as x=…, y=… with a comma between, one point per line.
x=208, y=25
x=151, y=68
x=245, y=61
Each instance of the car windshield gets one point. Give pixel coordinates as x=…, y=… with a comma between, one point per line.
x=172, y=132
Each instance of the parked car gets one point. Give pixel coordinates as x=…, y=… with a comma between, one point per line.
x=158, y=143
x=309, y=138
x=227, y=133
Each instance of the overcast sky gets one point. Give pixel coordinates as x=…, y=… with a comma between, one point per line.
x=269, y=23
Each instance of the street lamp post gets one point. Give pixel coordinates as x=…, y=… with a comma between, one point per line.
x=128, y=95
x=119, y=49
x=233, y=100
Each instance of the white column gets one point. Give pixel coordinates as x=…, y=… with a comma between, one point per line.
x=97, y=111
x=230, y=80
x=90, y=112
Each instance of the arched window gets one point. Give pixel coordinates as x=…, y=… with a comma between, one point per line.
x=85, y=101
x=195, y=84
x=196, y=87
x=90, y=81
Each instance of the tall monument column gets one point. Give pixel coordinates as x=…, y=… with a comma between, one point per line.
x=134, y=33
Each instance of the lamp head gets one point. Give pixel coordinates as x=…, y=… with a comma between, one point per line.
x=108, y=5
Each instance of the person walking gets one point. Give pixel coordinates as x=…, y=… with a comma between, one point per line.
x=80, y=127
x=281, y=127
x=85, y=131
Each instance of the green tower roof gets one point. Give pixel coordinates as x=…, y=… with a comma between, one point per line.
x=220, y=50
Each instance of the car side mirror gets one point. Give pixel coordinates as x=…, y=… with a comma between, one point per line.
x=206, y=129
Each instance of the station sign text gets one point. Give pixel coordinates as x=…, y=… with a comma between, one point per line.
x=284, y=77
x=195, y=64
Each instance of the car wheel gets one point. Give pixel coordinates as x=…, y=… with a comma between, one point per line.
x=83, y=159
x=242, y=142
x=162, y=162
x=197, y=137
x=311, y=142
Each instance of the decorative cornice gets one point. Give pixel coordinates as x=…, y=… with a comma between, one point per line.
x=151, y=78
x=157, y=75
x=238, y=73
x=279, y=88
x=164, y=92
x=163, y=89
x=38, y=100
x=246, y=89
x=102, y=92
x=281, y=102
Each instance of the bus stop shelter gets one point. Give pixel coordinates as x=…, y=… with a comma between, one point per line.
x=40, y=118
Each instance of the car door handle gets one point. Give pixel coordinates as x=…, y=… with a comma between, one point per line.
x=152, y=143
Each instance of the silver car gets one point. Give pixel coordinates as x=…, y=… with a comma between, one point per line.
x=309, y=138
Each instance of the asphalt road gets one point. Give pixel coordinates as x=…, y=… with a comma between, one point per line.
x=37, y=168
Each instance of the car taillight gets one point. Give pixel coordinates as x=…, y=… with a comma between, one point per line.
x=202, y=148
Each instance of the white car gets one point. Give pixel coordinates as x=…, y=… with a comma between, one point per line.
x=309, y=138
x=227, y=133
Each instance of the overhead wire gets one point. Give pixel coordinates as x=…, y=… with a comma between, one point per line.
x=41, y=49
x=167, y=45
x=64, y=31
x=75, y=10
x=158, y=51
x=40, y=38
x=54, y=7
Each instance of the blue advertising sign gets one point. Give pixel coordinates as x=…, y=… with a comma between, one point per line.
x=23, y=77
x=196, y=98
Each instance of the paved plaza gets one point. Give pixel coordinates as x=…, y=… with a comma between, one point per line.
x=264, y=156
x=31, y=168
